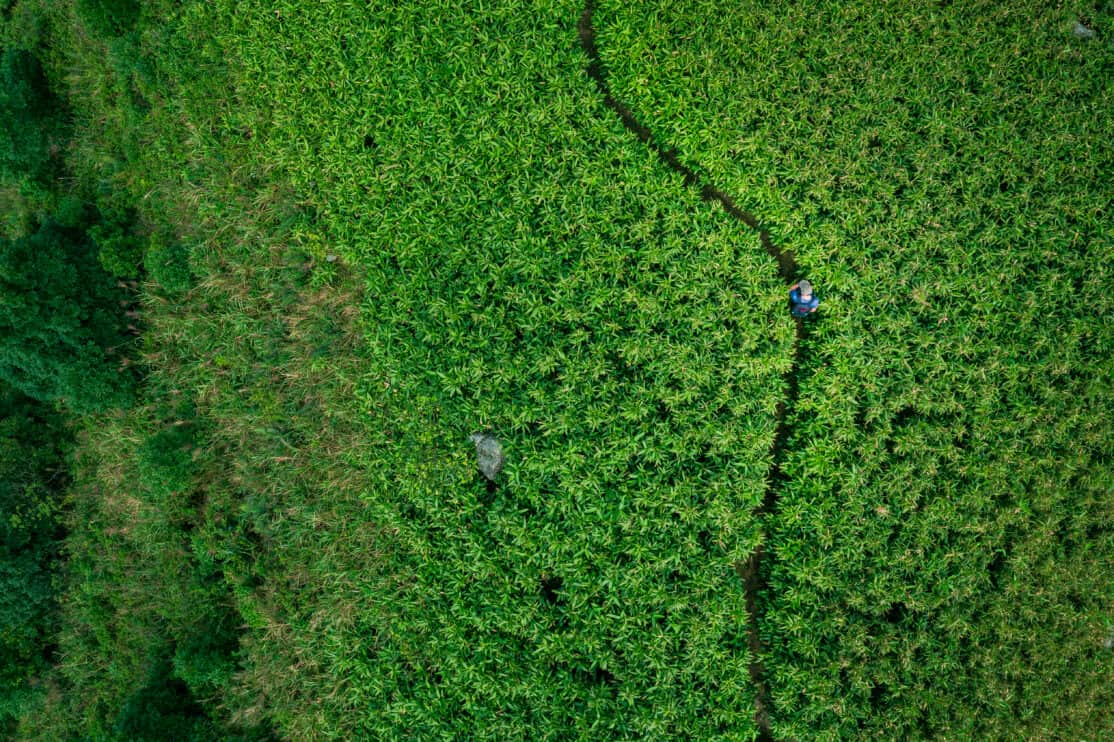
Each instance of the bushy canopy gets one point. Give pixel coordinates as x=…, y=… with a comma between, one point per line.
x=61, y=321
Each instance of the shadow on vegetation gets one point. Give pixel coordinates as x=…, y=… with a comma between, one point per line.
x=551, y=590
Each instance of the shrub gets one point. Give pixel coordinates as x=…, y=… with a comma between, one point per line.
x=72, y=212
x=31, y=120
x=165, y=469
x=119, y=251
x=61, y=320
x=168, y=265
x=205, y=659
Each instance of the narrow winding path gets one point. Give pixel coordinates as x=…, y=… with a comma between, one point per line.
x=752, y=571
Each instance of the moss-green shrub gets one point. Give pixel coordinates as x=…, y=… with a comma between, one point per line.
x=117, y=251
x=168, y=264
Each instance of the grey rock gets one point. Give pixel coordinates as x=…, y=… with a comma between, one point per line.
x=1082, y=32
x=489, y=453
x=1108, y=642
x=331, y=258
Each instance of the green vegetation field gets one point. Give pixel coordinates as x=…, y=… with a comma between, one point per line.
x=944, y=173
x=266, y=266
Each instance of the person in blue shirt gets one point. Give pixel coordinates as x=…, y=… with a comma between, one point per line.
x=803, y=300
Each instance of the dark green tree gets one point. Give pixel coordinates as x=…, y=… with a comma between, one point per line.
x=62, y=328
x=118, y=248
x=32, y=473
x=32, y=120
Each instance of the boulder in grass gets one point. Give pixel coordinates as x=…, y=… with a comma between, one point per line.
x=1082, y=32
x=489, y=453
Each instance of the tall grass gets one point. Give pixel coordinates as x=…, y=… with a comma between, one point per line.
x=514, y=263
x=942, y=173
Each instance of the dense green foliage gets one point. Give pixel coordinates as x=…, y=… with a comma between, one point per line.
x=31, y=120
x=119, y=251
x=168, y=265
x=365, y=231
x=942, y=552
x=149, y=634
x=32, y=474
x=162, y=709
x=61, y=321
x=533, y=271
x=32, y=131
x=63, y=331
x=109, y=17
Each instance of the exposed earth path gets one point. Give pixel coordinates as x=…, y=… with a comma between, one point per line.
x=753, y=570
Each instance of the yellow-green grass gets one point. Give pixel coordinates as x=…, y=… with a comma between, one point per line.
x=941, y=551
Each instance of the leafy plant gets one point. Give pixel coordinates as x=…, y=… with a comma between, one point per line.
x=61, y=320
x=118, y=249
x=161, y=708
x=168, y=265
